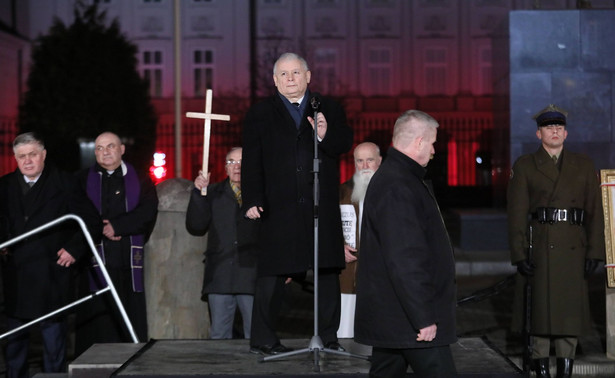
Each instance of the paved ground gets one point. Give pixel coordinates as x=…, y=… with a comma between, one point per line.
x=479, y=272
x=489, y=318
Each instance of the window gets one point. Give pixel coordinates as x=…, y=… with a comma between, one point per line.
x=151, y=65
x=379, y=68
x=203, y=61
x=436, y=70
x=485, y=80
x=325, y=71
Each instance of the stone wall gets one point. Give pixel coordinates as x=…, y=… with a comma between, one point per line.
x=565, y=58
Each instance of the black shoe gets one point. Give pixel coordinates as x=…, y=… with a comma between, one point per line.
x=564, y=367
x=268, y=350
x=541, y=366
x=334, y=345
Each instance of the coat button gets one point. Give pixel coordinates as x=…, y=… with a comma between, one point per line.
x=301, y=200
x=299, y=168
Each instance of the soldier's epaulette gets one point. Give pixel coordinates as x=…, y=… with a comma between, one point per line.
x=523, y=158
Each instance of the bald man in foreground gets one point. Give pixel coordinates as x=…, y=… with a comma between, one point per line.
x=406, y=274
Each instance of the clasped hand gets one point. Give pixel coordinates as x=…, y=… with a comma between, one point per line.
x=322, y=125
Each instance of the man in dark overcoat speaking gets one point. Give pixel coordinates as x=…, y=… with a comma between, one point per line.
x=557, y=193
x=277, y=186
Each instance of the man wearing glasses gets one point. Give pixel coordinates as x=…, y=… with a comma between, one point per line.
x=37, y=272
x=230, y=258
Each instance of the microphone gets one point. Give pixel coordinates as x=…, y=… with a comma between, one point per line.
x=315, y=101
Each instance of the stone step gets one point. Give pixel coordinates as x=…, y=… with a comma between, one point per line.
x=101, y=360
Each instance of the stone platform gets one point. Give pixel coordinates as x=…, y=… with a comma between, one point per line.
x=474, y=357
x=478, y=229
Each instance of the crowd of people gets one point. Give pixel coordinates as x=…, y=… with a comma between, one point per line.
x=385, y=261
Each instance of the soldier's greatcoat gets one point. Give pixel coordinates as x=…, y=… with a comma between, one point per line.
x=560, y=303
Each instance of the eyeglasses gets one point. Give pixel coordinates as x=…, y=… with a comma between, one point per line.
x=233, y=162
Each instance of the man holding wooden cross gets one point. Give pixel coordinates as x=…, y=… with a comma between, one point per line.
x=230, y=258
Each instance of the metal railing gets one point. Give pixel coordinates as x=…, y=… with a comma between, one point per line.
x=110, y=286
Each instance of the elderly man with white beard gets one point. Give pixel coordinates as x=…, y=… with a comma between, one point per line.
x=367, y=159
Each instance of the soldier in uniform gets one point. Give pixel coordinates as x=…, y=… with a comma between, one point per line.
x=557, y=193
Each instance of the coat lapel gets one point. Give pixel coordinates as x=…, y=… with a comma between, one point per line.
x=288, y=120
x=36, y=200
x=282, y=112
x=305, y=124
x=16, y=207
x=545, y=165
x=569, y=166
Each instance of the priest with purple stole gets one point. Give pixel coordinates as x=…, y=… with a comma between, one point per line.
x=128, y=205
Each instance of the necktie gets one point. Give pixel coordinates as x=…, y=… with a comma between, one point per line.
x=297, y=116
x=554, y=159
x=237, y=192
x=31, y=183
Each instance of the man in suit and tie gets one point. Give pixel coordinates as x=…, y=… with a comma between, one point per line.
x=277, y=187
x=37, y=272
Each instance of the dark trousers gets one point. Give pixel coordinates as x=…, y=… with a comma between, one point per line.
x=425, y=362
x=54, y=347
x=99, y=320
x=268, y=298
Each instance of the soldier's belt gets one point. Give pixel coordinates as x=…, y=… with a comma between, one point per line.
x=553, y=215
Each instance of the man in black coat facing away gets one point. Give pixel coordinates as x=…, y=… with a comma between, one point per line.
x=37, y=272
x=406, y=276
x=277, y=186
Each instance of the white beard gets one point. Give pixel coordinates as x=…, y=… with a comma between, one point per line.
x=361, y=181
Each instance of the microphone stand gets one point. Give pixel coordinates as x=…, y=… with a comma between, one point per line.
x=316, y=345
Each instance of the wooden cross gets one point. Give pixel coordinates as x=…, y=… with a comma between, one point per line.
x=207, y=116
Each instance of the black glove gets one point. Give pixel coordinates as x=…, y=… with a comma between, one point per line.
x=526, y=268
x=590, y=266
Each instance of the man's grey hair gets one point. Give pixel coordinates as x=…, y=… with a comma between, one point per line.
x=412, y=124
x=28, y=138
x=291, y=56
x=231, y=150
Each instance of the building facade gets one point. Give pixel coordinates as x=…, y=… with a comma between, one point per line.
x=379, y=57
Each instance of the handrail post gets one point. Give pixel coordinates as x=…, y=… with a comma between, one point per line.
x=110, y=286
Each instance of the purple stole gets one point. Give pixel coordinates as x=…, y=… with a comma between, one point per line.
x=133, y=191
